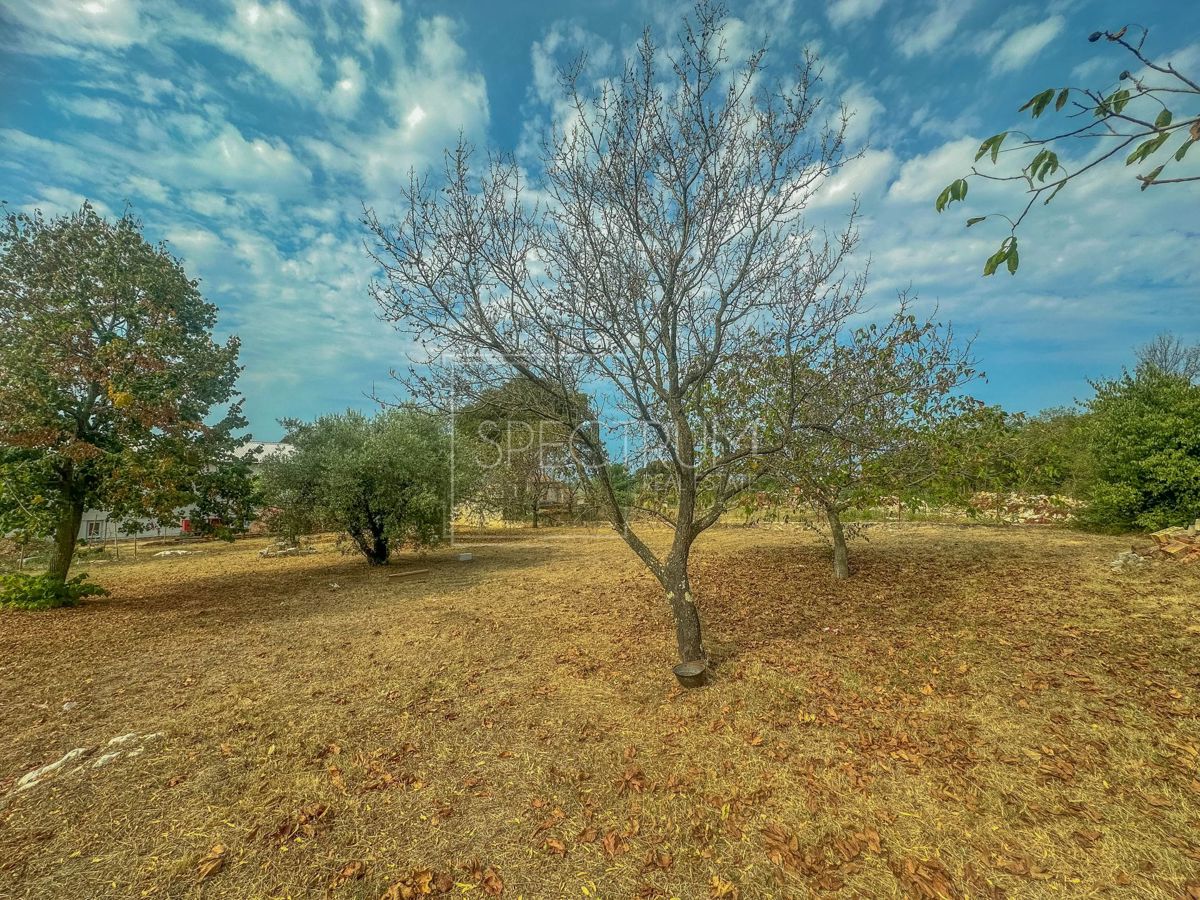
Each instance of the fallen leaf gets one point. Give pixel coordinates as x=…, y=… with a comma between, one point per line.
x=213, y=862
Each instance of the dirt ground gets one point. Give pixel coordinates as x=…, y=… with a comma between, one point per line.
x=979, y=712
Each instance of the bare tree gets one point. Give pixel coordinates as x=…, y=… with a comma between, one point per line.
x=662, y=239
x=1168, y=353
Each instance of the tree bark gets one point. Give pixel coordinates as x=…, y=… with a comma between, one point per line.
x=536, y=504
x=66, y=532
x=841, y=556
x=683, y=608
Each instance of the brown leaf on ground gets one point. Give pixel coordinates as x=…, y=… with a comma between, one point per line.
x=632, y=781
x=719, y=889
x=213, y=862
x=614, y=844
x=309, y=821
x=925, y=879
x=555, y=846
x=493, y=886
x=336, y=778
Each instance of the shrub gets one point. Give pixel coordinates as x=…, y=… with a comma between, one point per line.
x=21, y=591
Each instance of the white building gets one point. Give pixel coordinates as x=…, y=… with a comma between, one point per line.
x=98, y=527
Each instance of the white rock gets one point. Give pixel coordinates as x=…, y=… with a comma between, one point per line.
x=104, y=760
x=29, y=779
x=123, y=739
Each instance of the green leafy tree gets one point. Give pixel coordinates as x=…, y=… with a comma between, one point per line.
x=874, y=396
x=383, y=481
x=109, y=374
x=1144, y=432
x=1149, y=118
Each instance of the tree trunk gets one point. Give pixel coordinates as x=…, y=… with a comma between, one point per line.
x=841, y=557
x=536, y=504
x=66, y=531
x=683, y=608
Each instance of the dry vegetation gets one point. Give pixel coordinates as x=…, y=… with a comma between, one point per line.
x=979, y=712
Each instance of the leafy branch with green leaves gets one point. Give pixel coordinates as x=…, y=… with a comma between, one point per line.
x=1134, y=120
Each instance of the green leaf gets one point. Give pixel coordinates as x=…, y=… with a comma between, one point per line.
x=997, y=141
x=1062, y=99
x=991, y=145
x=1038, y=102
x=1148, y=180
x=993, y=263
x=1183, y=149
x=1062, y=184
x=1163, y=120
x=1014, y=259
x=975, y=220
x=943, y=198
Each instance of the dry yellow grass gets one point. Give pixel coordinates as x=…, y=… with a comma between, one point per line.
x=979, y=712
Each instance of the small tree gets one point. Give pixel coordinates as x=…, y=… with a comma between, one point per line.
x=1155, y=107
x=872, y=402
x=668, y=240
x=109, y=374
x=382, y=481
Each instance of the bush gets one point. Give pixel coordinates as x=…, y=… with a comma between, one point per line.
x=21, y=591
x=1145, y=442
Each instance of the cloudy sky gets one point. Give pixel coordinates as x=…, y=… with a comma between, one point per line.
x=250, y=134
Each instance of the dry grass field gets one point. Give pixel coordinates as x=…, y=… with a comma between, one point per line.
x=980, y=712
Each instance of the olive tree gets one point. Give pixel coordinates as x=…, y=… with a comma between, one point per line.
x=111, y=383
x=661, y=236
x=383, y=481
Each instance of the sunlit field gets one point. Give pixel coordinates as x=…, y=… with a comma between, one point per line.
x=979, y=711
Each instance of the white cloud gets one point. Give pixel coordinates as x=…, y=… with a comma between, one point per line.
x=918, y=36
x=347, y=91
x=273, y=39
x=863, y=178
x=843, y=12
x=381, y=18
x=148, y=188
x=1023, y=45
x=91, y=108
x=865, y=109
x=56, y=26
x=922, y=177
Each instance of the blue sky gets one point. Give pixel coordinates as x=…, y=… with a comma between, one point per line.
x=249, y=134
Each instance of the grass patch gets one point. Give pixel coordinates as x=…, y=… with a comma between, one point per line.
x=978, y=712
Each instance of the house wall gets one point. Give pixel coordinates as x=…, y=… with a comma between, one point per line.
x=97, y=527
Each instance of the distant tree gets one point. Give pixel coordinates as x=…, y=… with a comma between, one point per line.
x=670, y=239
x=987, y=449
x=1169, y=354
x=1144, y=432
x=873, y=400
x=521, y=455
x=1153, y=107
x=383, y=481
x=109, y=374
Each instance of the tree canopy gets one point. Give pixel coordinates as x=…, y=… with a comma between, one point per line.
x=384, y=481
x=110, y=378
